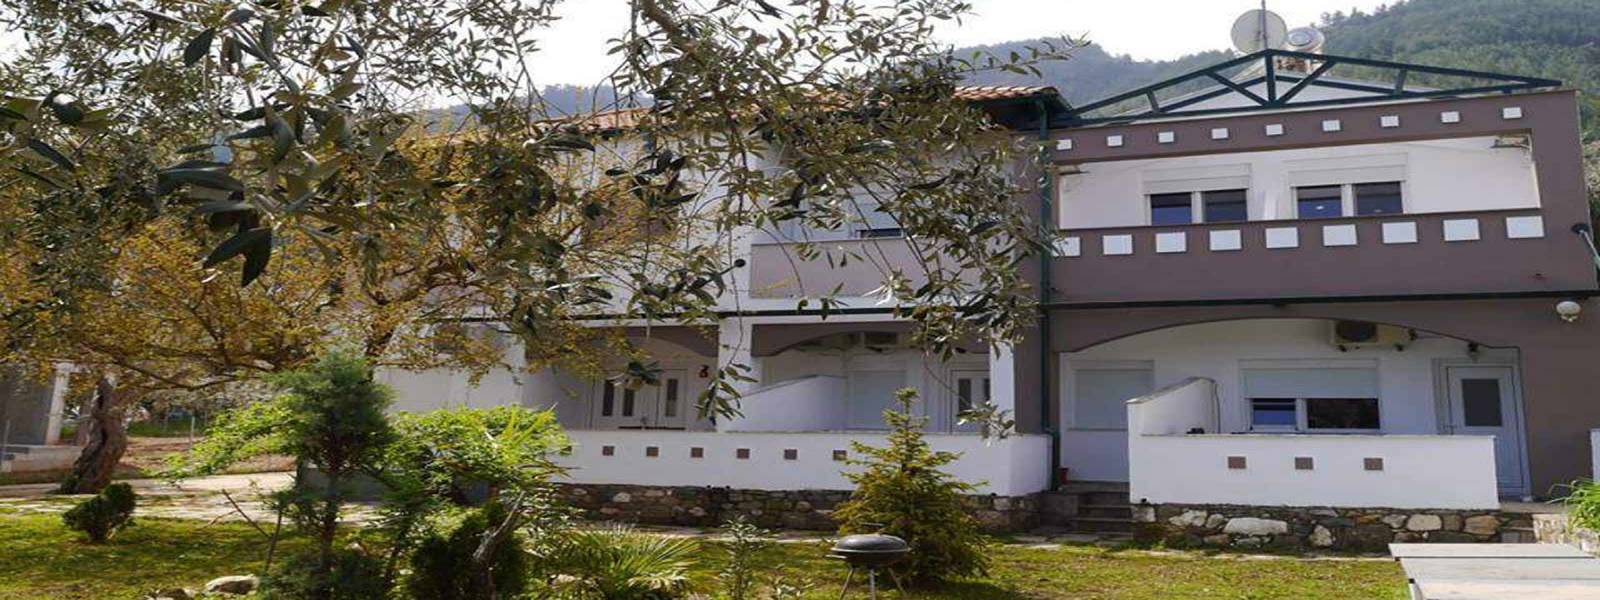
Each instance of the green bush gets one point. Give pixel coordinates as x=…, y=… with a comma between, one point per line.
x=901, y=492
x=617, y=563
x=1583, y=504
x=442, y=567
x=354, y=576
x=742, y=553
x=105, y=514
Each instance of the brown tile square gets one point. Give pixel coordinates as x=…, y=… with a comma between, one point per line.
x=608, y=451
x=1304, y=463
x=742, y=453
x=697, y=452
x=840, y=455
x=791, y=454
x=652, y=451
x=1236, y=462
x=1372, y=464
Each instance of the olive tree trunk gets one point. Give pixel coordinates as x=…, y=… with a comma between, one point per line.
x=107, y=440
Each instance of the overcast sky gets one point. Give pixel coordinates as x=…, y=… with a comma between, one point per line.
x=574, y=50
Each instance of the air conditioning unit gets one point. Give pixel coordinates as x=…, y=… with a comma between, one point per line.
x=1350, y=335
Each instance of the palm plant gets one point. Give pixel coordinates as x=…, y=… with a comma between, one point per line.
x=617, y=562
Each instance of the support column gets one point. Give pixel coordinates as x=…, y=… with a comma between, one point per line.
x=735, y=337
x=1003, y=378
x=58, y=403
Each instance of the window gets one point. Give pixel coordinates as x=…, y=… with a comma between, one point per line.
x=1480, y=402
x=1172, y=209
x=1378, y=198
x=669, y=406
x=1224, y=205
x=1100, y=395
x=1320, y=201
x=1341, y=413
x=1312, y=399
x=608, y=401
x=1274, y=413
x=880, y=232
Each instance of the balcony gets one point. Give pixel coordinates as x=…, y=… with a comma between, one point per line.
x=857, y=267
x=1501, y=251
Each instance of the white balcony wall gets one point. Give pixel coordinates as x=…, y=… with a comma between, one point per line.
x=812, y=403
x=1415, y=471
x=1449, y=175
x=1014, y=466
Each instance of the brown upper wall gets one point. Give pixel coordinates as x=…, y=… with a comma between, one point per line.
x=1496, y=263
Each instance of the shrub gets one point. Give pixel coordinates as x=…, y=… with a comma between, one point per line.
x=104, y=515
x=1583, y=504
x=617, y=563
x=442, y=567
x=354, y=576
x=742, y=553
x=901, y=492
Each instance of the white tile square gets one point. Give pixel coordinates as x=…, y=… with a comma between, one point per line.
x=1400, y=232
x=1116, y=245
x=1460, y=230
x=1450, y=116
x=1063, y=145
x=1511, y=113
x=1521, y=228
x=1166, y=137
x=1332, y=125
x=1274, y=129
x=1219, y=133
x=1069, y=246
x=1389, y=121
x=1114, y=141
x=1172, y=242
x=1283, y=237
x=1338, y=235
x=1224, y=240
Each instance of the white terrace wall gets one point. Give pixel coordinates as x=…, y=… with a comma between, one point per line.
x=1439, y=176
x=1168, y=466
x=1014, y=466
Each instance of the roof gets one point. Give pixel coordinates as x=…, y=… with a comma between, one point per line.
x=1275, y=79
x=992, y=96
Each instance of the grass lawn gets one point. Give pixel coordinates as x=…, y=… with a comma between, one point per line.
x=43, y=560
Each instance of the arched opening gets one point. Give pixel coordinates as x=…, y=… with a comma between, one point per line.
x=1295, y=377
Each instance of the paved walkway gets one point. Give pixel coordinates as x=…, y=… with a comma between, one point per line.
x=201, y=498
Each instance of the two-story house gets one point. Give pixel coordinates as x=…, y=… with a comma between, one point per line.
x=1296, y=281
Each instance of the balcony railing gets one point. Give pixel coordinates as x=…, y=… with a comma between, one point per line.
x=1505, y=251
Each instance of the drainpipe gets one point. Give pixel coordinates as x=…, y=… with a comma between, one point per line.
x=1046, y=218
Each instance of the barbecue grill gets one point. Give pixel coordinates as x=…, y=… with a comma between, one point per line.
x=869, y=552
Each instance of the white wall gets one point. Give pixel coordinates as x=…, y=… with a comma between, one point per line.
x=1011, y=467
x=929, y=376
x=1446, y=472
x=815, y=403
x=1440, y=176
x=1216, y=351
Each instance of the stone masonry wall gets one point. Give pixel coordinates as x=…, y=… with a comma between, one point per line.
x=801, y=509
x=1358, y=529
x=1557, y=529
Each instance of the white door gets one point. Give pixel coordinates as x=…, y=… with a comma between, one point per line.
x=971, y=391
x=1483, y=401
x=660, y=406
x=619, y=407
x=669, y=405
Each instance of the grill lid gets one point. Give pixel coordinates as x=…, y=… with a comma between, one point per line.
x=871, y=543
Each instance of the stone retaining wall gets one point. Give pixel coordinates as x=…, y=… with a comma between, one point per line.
x=802, y=509
x=1556, y=529
x=1359, y=529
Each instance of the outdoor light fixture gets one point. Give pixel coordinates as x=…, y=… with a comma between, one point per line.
x=1569, y=310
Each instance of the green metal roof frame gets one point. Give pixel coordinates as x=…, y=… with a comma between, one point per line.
x=1277, y=98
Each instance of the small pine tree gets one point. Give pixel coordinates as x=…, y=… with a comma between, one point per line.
x=901, y=492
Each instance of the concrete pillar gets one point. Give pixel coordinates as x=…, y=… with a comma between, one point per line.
x=1003, y=378
x=735, y=337
x=58, y=403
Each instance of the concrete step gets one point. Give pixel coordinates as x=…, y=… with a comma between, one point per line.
x=1079, y=487
x=1108, y=511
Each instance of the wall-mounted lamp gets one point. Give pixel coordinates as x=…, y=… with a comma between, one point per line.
x=1568, y=310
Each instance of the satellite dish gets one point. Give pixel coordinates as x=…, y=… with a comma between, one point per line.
x=1258, y=30
x=1305, y=39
